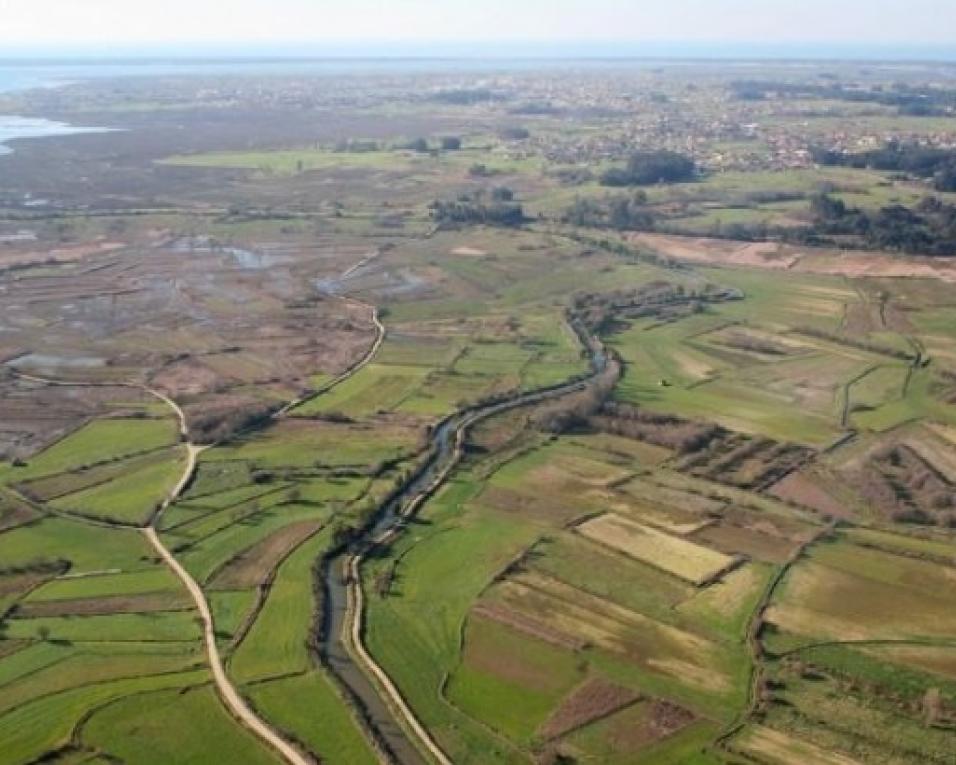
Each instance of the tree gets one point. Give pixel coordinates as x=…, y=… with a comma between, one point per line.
x=419, y=145
x=515, y=134
x=451, y=143
x=342, y=534
x=645, y=168
x=826, y=207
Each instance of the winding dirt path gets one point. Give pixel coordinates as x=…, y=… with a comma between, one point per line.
x=227, y=691
x=352, y=370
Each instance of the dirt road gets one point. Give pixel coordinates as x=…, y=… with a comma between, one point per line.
x=227, y=691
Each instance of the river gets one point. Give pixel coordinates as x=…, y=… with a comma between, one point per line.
x=390, y=522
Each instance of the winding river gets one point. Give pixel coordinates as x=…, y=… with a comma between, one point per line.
x=340, y=638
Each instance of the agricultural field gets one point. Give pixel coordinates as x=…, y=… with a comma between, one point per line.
x=392, y=418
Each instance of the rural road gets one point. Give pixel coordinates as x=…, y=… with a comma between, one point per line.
x=353, y=627
x=362, y=362
x=227, y=691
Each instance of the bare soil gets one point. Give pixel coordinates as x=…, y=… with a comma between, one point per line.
x=595, y=699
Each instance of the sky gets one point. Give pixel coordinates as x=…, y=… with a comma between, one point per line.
x=332, y=23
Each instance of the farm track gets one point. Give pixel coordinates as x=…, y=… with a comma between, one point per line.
x=352, y=370
x=227, y=691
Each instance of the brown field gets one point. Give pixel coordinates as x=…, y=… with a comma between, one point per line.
x=15, y=586
x=917, y=543
x=628, y=450
x=803, y=488
x=729, y=597
x=939, y=660
x=716, y=252
x=564, y=469
x=900, y=483
x=495, y=649
x=937, y=452
x=112, y=604
x=695, y=563
x=628, y=732
x=602, y=623
x=34, y=416
x=680, y=522
x=58, y=255
x=850, y=593
x=595, y=699
x=745, y=461
x=687, y=501
x=800, y=259
x=523, y=623
x=547, y=509
x=264, y=332
x=943, y=431
x=14, y=513
x=772, y=746
x=254, y=566
x=732, y=539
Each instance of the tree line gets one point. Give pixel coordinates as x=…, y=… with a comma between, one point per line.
x=646, y=168
x=926, y=162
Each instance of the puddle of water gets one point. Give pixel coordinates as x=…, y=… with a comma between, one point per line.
x=249, y=259
x=51, y=361
x=12, y=126
x=19, y=236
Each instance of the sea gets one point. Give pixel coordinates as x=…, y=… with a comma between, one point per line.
x=26, y=76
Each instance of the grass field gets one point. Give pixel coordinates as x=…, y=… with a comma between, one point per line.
x=684, y=559
x=416, y=636
x=307, y=444
x=277, y=643
x=310, y=707
x=846, y=592
x=132, y=497
x=101, y=441
x=204, y=731
x=584, y=593
x=510, y=681
x=47, y=723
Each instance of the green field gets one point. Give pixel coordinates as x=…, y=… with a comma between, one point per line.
x=730, y=538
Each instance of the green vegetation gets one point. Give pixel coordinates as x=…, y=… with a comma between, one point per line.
x=204, y=732
x=735, y=544
x=310, y=706
x=100, y=441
